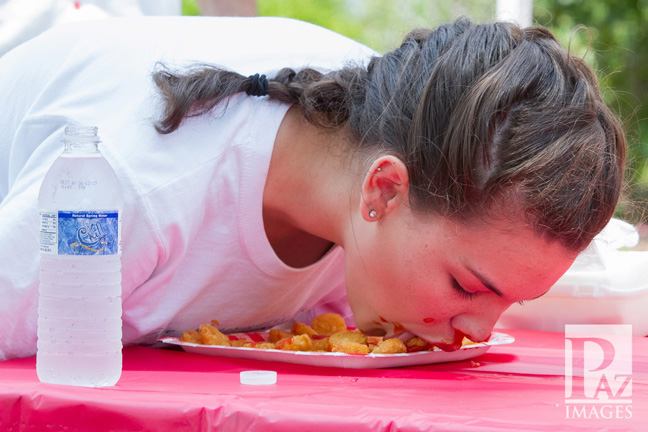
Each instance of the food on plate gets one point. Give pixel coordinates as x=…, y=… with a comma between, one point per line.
x=416, y=344
x=191, y=336
x=328, y=324
x=264, y=345
x=390, y=346
x=355, y=336
x=349, y=348
x=210, y=335
x=276, y=335
x=301, y=328
x=349, y=341
x=243, y=343
x=295, y=343
x=321, y=344
x=326, y=333
x=467, y=341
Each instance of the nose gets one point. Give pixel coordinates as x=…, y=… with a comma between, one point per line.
x=477, y=326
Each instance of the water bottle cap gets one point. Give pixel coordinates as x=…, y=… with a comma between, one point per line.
x=258, y=377
x=81, y=133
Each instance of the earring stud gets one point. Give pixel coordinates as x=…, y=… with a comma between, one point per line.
x=372, y=213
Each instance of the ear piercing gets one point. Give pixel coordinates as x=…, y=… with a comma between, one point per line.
x=372, y=213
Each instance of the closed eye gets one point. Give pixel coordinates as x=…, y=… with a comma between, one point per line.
x=462, y=292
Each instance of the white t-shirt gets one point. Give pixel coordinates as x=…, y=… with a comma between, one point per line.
x=21, y=20
x=194, y=246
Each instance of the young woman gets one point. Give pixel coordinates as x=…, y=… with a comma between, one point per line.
x=427, y=189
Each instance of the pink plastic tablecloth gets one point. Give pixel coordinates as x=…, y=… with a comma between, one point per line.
x=515, y=387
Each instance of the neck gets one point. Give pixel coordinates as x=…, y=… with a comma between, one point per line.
x=306, y=200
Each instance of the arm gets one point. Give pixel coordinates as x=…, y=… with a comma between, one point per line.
x=19, y=235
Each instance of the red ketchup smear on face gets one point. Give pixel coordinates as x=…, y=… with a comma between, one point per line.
x=428, y=320
x=398, y=328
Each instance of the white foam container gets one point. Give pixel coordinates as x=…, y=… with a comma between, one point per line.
x=613, y=293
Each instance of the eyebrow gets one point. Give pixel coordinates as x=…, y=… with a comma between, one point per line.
x=486, y=282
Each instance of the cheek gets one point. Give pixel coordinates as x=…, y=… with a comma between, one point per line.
x=397, y=288
x=406, y=308
x=430, y=307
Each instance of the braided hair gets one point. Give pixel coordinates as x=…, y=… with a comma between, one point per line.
x=324, y=98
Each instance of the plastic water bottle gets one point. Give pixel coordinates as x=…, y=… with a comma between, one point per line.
x=79, y=308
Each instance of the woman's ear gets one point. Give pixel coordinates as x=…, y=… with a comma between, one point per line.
x=384, y=187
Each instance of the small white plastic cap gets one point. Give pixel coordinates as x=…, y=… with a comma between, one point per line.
x=258, y=377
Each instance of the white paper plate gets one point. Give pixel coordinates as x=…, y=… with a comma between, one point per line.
x=353, y=361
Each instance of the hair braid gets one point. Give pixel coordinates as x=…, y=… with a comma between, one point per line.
x=324, y=98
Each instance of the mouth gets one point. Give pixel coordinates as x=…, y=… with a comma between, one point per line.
x=456, y=342
x=448, y=347
x=390, y=329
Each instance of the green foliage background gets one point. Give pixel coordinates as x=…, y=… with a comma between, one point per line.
x=614, y=42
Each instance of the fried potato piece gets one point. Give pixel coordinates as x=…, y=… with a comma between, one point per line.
x=321, y=344
x=350, y=348
x=349, y=341
x=265, y=345
x=244, y=343
x=390, y=346
x=296, y=343
x=210, y=335
x=277, y=334
x=191, y=336
x=354, y=336
x=301, y=328
x=415, y=344
x=467, y=341
x=328, y=324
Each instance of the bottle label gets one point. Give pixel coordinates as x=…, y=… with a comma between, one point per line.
x=80, y=233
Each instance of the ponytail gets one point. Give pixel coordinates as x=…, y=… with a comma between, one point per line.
x=325, y=99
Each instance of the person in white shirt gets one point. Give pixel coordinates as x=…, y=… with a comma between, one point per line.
x=21, y=21
x=278, y=170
